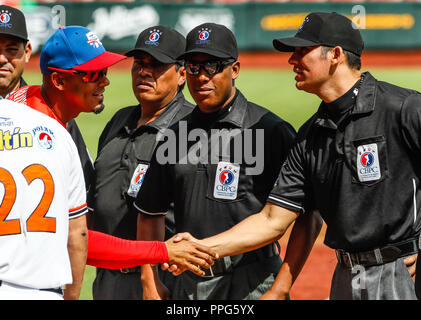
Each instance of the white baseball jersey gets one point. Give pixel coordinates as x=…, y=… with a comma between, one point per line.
x=41, y=188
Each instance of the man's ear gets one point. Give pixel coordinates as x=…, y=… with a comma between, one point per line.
x=28, y=51
x=182, y=75
x=235, y=69
x=58, y=80
x=336, y=54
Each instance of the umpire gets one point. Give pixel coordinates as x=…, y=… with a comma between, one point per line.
x=356, y=160
x=127, y=144
x=216, y=192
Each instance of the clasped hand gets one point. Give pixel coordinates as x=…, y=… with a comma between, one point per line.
x=185, y=253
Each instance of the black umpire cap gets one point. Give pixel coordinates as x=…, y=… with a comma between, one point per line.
x=214, y=39
x=12, y=22
x=326, y=29
x=161, y=42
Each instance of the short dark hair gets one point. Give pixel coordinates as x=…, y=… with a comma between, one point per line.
x=354, y=61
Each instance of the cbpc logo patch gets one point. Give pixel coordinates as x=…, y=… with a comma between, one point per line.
x=203, y=36
x=5, y=17
x=154, y=36
x=226, y=181
x=44, y=137
x=137, y=179
x=368, y=164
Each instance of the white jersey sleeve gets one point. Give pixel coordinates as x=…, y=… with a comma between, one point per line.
x=41, y=187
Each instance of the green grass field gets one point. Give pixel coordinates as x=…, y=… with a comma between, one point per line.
x=273, y=89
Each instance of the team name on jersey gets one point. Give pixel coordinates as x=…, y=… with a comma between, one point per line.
x=10, y=140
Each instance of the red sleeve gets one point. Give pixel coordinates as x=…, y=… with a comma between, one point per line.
x=109, y=252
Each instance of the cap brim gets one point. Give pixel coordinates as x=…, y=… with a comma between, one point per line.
x=102, y=61
x=161, y=57
x=211, y=52
x=21, y=37
x=289, y=44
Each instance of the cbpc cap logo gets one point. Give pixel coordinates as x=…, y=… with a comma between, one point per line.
x=154, y=36
x=226, y=177
x=367, y=159
x=45, y=137
x=5, y=17
x=304, y=22
x=93, y=40
x=204, y=35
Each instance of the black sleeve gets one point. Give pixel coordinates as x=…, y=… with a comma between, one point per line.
x=411, y=123
x=289, y=190
x=154, y=195
x=85, y=159
x=282, y=139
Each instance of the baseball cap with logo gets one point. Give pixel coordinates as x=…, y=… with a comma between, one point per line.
x=12, y=22
x=214, y=39
x=161, y=42
x=76, y=48
x=327, y=29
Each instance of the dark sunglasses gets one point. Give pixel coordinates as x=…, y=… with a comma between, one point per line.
x=87, y=76
x=211, y=67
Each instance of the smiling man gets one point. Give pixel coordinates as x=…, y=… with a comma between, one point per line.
x=211, y=196
x=74, y=65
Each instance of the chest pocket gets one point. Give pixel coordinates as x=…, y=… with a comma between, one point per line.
x=227, y=182
x=369, y=163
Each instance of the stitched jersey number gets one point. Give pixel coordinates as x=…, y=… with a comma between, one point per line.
x=37, y=220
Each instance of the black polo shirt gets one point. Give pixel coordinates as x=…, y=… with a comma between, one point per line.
x=121, y=150
x=200, y=207
x=363, y=174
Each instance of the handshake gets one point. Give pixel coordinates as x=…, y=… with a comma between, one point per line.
x=186, y=253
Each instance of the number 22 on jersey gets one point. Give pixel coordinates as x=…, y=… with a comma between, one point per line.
x=37, y=222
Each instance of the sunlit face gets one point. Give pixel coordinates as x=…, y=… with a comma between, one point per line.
x=211, y=92
x=85, y=96
x=155, y=83
x=311, y=68
x=14, y=54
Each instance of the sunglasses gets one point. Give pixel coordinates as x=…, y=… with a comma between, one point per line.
x=87, y=76
x=211, y=67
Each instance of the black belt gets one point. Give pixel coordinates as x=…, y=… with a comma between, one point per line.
x=377, y=256
x=130, y=270
x=220, y=267
x=55, y=290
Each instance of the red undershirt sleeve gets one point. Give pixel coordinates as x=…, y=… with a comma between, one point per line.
x=109, y=252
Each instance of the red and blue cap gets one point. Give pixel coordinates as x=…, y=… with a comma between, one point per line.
x=76, y=48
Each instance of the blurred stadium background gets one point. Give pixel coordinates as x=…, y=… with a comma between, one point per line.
x=391, y=31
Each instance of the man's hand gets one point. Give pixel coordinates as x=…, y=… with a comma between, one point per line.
x=410, y=263
x=188, y=255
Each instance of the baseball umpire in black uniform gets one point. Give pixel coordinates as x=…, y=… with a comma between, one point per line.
x=357, y=160
x=212, y=191
x=127, y=144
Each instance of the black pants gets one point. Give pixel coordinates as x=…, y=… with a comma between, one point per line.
x=114, y=285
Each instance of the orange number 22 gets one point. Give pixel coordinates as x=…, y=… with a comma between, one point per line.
x=37, y=220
